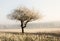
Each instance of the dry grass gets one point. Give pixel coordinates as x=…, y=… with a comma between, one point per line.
x=8, y=36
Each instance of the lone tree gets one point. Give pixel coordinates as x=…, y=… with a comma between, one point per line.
x=24, y=15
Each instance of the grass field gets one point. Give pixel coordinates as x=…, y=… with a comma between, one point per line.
x=14, y=36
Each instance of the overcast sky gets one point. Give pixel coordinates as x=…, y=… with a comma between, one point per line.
x=50, y=9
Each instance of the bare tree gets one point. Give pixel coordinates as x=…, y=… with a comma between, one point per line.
x=24, y=15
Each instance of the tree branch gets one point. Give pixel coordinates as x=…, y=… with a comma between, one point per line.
x=26, y=23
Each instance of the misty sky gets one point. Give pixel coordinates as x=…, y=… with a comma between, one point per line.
x=50, y=9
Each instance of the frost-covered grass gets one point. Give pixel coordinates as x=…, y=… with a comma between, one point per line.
x=28, y=37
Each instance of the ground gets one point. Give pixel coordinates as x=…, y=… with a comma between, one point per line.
x=15, y=36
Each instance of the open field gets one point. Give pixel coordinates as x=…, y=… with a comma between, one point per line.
x=16, y=35
x=10, y=36
x=52, y=30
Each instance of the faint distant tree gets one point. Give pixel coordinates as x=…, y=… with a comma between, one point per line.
x=24, y=15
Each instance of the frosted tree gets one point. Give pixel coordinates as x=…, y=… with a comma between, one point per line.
x=24, y=15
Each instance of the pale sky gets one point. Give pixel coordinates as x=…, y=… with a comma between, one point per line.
x=50, y=9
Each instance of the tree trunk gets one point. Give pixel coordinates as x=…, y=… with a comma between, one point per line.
x=22, y=26
x=22, y=29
